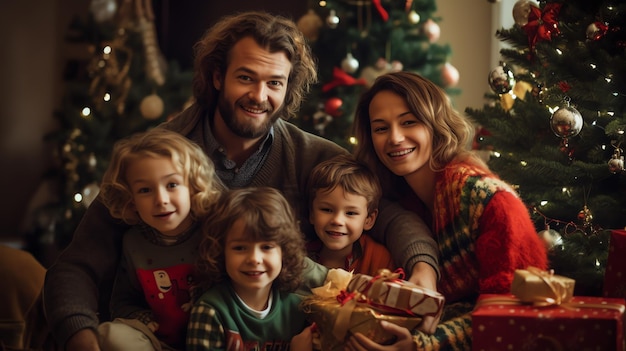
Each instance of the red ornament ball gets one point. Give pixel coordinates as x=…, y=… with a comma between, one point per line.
x=333, y=106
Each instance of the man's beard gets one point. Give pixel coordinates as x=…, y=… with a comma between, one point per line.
x=243, y=129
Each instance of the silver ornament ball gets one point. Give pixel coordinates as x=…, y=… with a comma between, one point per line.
x=550, y=237
x=616, y=164
x=332, y=20
x=103, y=10
x=501, y=79
x=349, y=64
x=566, y=122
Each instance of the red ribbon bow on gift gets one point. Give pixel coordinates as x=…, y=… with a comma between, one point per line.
x=340, y=77
x=541, y=24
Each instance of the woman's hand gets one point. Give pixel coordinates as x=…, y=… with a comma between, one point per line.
x=424, y=275
x=404, y=340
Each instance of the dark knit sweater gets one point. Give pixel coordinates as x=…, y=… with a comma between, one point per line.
x=79, y=283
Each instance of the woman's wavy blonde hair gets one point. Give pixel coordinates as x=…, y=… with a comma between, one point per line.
x=189, y=159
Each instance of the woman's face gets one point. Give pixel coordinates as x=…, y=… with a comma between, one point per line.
x=401, y=141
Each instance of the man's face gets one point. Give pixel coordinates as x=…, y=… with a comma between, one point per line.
x=252, y=92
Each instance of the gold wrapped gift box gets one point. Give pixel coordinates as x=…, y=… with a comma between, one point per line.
x=355, y=318
x=533, y=285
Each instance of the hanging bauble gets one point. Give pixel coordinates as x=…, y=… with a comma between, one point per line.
x=566, y=122
x=332, y=20
x=521, y=10
x=151, y=107
x=449, y=75
x=550, y=237
x=431, y=29
x=103, y=10
x=370, y=73
x=501, y=79
x=414, y=17
x=616, y=163
x=333, y=106
x=320, y=120
x=585, y=216
x=349, y=64
x=596, y=30
x=310, y=25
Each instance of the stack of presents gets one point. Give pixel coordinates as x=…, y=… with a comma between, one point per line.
x=540, y=313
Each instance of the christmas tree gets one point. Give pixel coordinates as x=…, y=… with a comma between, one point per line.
x=123, y=86
x=356, y=41
x=555, y=126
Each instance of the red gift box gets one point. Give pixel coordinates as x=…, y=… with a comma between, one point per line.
x=501, y=322
x=615, y=274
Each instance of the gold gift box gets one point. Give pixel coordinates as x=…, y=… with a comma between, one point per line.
x=533, y=285
x=362, y=319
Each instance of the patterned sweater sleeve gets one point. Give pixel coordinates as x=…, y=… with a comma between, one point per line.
x=205, y=332
x=454, y=333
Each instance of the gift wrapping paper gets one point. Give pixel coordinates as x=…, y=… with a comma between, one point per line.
x=391, y=295
x=535, y=285
x=615, y=273
x=503, y=322
x=361, y=319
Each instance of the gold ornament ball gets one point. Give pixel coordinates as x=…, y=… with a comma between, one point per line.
x=414, y=17
x=151, y=107
x=310, y=25
x=521, y=10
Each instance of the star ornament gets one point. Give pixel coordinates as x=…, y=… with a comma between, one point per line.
x=542, y=24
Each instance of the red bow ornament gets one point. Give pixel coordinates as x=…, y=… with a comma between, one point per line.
x=541, y=24
x=340, y=77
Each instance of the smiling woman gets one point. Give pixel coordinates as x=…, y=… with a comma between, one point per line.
x=413, y=139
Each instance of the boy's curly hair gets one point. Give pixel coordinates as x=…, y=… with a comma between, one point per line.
x=267, y=217
x=187, y=157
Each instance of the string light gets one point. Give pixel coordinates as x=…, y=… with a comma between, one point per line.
x=570, y=227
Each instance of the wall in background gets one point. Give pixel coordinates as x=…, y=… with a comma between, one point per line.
x=34, y=53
